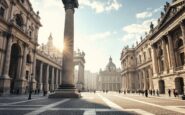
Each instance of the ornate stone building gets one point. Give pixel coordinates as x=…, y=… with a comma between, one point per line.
x=21, y=60
x=19, y=26
x=159, y=61
x=110, y=78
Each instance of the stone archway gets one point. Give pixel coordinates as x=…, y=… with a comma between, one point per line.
x=179, y=85
x=161, y=87
x=14, y=63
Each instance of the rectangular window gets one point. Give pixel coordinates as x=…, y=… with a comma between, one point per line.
x=182, y=59
x=2, y=10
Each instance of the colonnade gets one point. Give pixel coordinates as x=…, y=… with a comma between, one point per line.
x=48, y=77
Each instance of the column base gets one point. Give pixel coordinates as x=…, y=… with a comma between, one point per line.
x=65, y=92
x=20, y=86
x=79, y=86
x=5, y=85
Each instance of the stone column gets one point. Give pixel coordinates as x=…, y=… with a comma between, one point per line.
x=34, y=69
x=5, y=79
x=140, y=81
x=144, y=80
x=19, y=67
x=183, y=35
x=40, y=77
x=171, y=52
x=46, y=82
x=150, y=79
x=23, y=71
x=7, y=59
x=67, y=89
x=80, y=82
x=154, y=62
x=20, y=81
x=56, y=82
x=165, y=56
x=61, y=77
x=52, y=78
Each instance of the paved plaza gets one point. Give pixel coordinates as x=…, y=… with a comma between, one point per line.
x=99, y=103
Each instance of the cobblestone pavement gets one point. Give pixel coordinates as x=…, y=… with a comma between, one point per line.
x=100, y=103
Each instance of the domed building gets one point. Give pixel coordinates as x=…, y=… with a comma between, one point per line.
x=110, y=78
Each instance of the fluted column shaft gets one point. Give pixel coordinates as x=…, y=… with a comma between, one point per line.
x=7, y=59
x=171, y=52
x=40, y=76
x=165, y=55
x=68, y=66
x=154, y=61
x=52, y=78
x=183, y=33
x=23, y=72
x=46, y=82
x=56, y=82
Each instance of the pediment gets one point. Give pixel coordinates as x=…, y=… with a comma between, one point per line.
x=170, y=12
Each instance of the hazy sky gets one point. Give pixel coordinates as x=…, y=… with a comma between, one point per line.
x=102, y=27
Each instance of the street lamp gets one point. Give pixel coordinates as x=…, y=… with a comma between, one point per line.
x=30, y=86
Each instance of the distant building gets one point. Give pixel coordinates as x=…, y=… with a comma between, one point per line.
x=51, y=50
x=110, y=78
x=90, y=80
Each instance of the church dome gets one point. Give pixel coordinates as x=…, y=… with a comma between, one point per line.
x=110, y=66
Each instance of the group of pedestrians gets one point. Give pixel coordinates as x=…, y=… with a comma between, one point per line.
x=156, y=92
x=175, y=93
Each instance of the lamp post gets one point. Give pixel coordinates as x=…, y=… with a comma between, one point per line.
x=30, y=86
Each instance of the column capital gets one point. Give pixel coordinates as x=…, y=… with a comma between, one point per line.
x=70, y=4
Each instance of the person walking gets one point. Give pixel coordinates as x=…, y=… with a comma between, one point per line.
x=146, y=93
x=169, y=92
x=157, y=92
x=174, y=93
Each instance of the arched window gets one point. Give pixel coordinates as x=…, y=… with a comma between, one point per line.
x=2, y=11
x=19, y=20
x=28, y=59
x=179, y=43
x=3, y=7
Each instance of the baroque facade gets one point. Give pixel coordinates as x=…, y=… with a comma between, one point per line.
x=110, y=78
x=158, y=62
x=21, y=60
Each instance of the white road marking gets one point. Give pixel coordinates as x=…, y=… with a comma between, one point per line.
x=163, y=107
x=22, y=101
x=90, y=112
x=114, y=106
x=111, y=104
x=45, y=108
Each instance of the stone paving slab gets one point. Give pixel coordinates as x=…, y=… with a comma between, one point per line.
x=116, y=113
x=127, y=104
x=160, y=101
x=13, y=112
x=80, y=103
x=62, y=112
x=39, y=102
x=20, y=106
x=9, y=100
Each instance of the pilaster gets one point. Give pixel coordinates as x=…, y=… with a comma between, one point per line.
x=171, y=52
